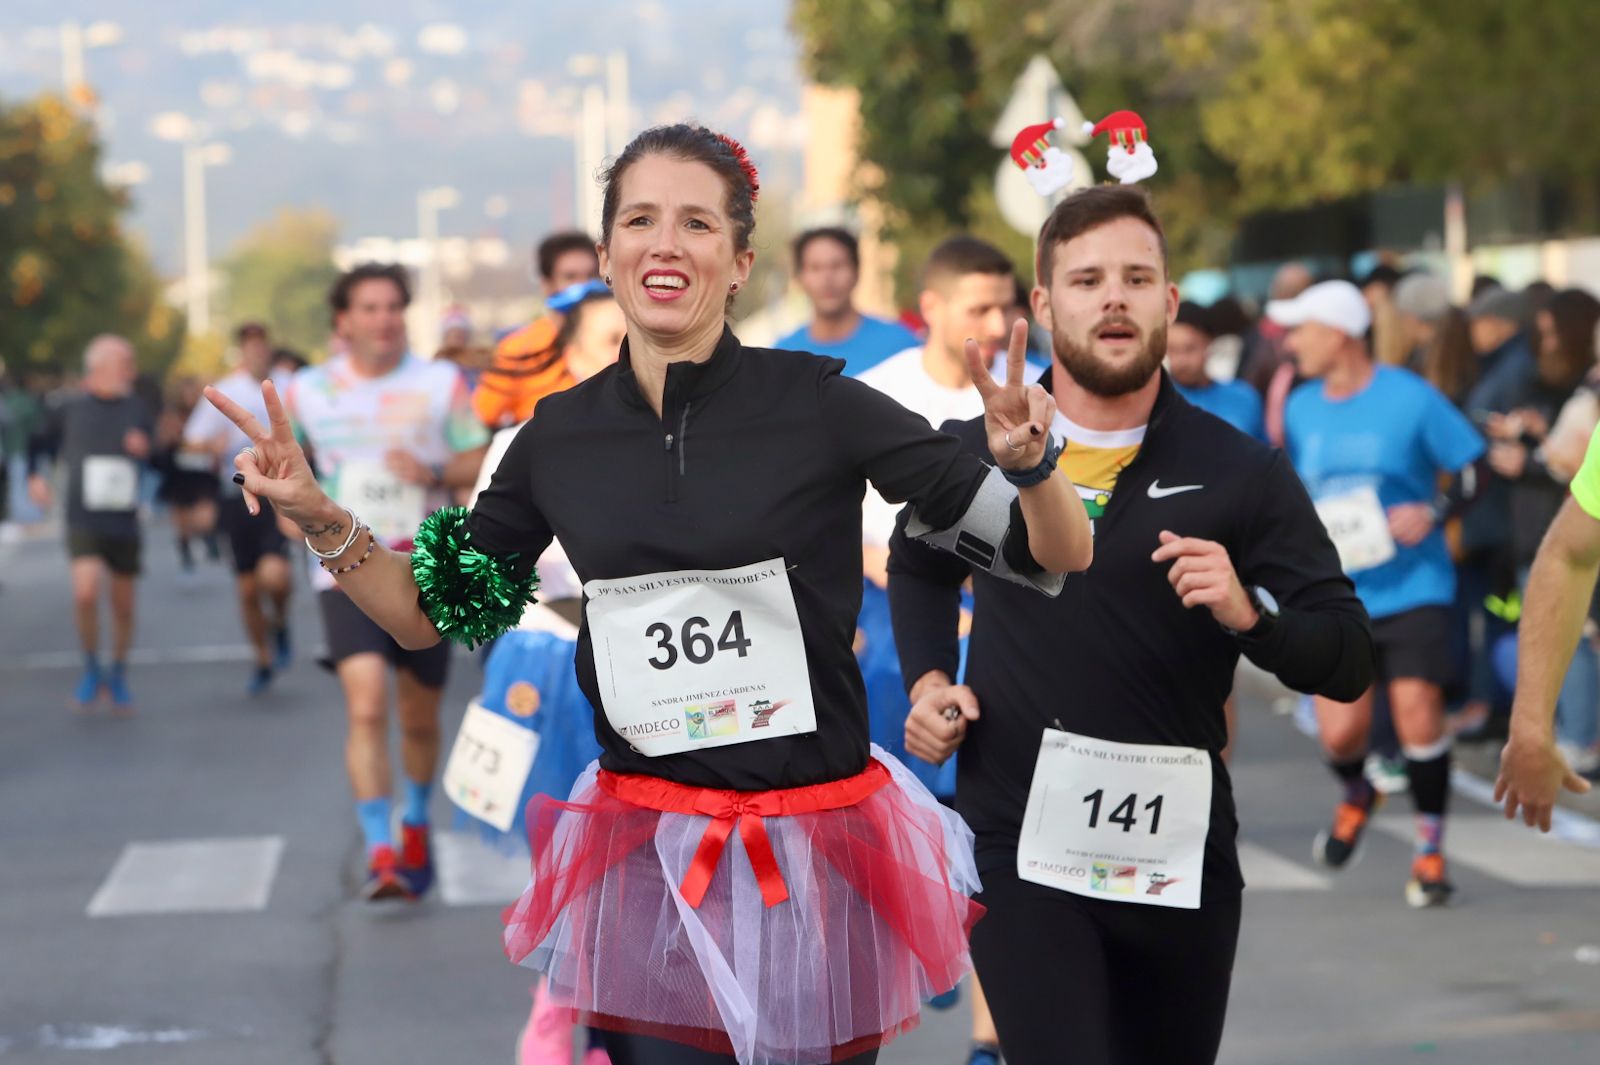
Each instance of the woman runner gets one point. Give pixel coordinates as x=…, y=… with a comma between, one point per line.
x=740, y=877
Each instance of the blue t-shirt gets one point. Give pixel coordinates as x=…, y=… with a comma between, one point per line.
x=873, y=341
x=1396, y=436
x=1233, y=401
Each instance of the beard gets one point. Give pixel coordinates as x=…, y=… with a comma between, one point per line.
x=1101, y=377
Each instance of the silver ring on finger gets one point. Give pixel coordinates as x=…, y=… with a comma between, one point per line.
x=257, y=458
x=1009, y=444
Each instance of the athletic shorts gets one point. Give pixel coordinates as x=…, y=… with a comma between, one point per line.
x=1091, y=982
x=251, y=538
x=1415, y=645
x=120, y=554
x=351, y=632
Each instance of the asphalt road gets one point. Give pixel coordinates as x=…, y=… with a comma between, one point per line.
x=179, y=887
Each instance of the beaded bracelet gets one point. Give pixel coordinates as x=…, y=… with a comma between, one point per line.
x=372, y=542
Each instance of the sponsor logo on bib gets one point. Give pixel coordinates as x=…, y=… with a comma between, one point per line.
x=522, y=699
x=1115, y=879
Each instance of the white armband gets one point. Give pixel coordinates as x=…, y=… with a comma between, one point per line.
x=979, y=536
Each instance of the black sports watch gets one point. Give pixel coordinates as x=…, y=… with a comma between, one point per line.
x=1267, y=609
x=1040, y=473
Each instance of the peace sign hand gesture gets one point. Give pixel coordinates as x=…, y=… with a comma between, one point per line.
x=1016, y=416
x=274, y=467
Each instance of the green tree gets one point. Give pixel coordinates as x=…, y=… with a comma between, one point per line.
x=934, y=74
x=67, y=270
x=280, y=272
x=1329, y=98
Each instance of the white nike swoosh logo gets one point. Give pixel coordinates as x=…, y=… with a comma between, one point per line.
x=1157, y=492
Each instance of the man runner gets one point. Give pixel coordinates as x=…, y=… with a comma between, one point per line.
x=260, y=550
x=1372, y=444
x=391, y=434
x=1092, y=725
x=103, y=438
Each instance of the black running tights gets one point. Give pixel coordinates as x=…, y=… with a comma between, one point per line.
x=1074, y=979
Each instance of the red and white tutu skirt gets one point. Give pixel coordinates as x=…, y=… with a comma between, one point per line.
x=793, y=926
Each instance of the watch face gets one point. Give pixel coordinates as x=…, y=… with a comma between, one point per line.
x=1268, y=605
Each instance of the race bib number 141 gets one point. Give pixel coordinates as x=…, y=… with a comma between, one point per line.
x=1122, y=822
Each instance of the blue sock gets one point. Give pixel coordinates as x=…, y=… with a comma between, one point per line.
x=374, y=816
x=91, y=664
x=416, y=812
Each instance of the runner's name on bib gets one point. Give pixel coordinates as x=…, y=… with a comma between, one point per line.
x=489, y=766
x=1359, y=528
x=392, y=508
x=110, y=483
x=700, y=658
x=1121, y=822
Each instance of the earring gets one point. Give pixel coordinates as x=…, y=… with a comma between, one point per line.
x=607, y=280
x=733, y=286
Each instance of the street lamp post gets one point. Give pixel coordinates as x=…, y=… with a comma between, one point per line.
x=197, y=267
x=75, y=40
x=429, y=203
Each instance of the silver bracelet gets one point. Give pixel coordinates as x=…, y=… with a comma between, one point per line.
x=355, y=530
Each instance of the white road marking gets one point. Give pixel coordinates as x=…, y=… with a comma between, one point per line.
x=149, y=656
x=190, y=876
x=112, y=1036
x=1507, y=850
x=1266, y=870
x=472, y=873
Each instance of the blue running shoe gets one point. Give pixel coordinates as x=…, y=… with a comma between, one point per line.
x=88, y=689
x=117, y=685
x=984, y=1054
x=946, y=1001
x=260, y=681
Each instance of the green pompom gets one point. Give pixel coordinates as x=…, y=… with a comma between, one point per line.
x=469, y=596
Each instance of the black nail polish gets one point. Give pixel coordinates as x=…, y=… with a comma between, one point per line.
x=1034, y=429
x=238, y=478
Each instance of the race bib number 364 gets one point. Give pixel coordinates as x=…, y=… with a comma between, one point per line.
x=1122, y=822
x=700, y=658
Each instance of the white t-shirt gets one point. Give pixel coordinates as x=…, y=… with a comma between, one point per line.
x=352, y=422
x=557, y=578
x=903, y=378
x=206, y=422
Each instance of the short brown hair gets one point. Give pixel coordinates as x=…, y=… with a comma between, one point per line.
x=1089, y=209
x=394, y=273
x=842, y=237
x=958, y=256
x=556, y=245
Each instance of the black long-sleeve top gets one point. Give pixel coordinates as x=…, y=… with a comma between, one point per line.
x=757, y=454
x=1117, y=656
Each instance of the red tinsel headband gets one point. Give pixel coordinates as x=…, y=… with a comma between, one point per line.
x=743, y=158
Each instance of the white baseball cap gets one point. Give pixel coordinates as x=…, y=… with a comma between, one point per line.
x=1338, y=304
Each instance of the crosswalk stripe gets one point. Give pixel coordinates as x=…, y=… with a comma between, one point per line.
x=190, y=876
x=147, y=656
x=1508, y=851
x=472, y=873
x=1266, y=870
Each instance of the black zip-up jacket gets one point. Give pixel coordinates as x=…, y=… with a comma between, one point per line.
x=1117, y=656
x=757, y=454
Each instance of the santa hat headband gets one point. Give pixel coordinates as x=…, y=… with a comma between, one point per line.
x=1028, y=146
x=1126, y=128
